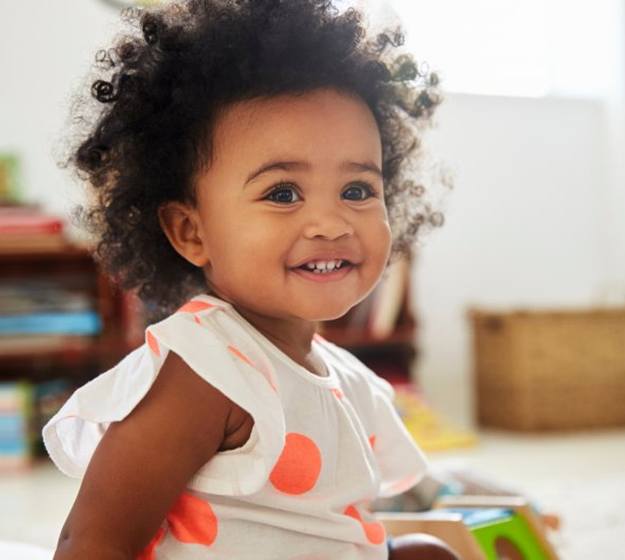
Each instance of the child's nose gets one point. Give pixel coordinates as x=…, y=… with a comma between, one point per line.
x=327, y=221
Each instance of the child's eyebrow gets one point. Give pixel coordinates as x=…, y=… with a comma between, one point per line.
x=291, y=165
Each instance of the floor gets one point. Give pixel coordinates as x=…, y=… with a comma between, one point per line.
x=579, y=476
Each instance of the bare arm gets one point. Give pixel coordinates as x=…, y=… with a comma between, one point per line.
x=143, y=463
x=420, y=546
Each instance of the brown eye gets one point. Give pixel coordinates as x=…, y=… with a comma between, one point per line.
x=281, y=193
x=364, y=187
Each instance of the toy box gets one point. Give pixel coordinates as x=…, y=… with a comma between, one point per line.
x=546, y=370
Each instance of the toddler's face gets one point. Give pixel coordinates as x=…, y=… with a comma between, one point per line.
x=290, y=183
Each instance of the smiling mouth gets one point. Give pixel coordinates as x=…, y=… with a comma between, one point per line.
x=315, y=270
x=317, y=275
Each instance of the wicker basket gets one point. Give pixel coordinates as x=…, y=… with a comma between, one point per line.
x=547, y=370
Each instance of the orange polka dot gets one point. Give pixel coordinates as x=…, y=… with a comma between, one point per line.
x=243, y=357
x=192, y=520
x=153, y=344
x=148, y=552
x=197, y=319
x=195, y=306
x=374, y=530
x=372, y=441
x=338, y=393
x=298, y=467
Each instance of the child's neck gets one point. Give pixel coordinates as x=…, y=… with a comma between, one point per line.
x=291, y=336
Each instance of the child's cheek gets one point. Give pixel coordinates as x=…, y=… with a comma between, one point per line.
x=383, y=237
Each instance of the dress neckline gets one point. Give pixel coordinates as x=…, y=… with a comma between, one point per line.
x=318, y=355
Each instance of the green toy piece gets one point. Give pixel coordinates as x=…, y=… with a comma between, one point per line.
x=502, y=533
x=479, y=527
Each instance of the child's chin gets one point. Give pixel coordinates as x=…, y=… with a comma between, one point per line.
x=329, y=312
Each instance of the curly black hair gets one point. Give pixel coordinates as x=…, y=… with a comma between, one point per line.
x=162, y=84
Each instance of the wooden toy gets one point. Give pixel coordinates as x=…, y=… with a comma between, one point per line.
x=479, y=527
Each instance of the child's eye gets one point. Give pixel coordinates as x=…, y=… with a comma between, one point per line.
x=278, y=189
x=286, y=188
x=365, y=187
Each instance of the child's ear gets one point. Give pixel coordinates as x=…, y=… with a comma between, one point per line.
x=181, y=225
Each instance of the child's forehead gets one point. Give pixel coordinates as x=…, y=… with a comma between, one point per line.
x=303, y=121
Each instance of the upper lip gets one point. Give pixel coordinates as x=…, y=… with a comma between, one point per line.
x=328, y=256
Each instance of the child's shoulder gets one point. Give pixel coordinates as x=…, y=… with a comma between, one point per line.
x=202, y=311
x=209, y=341
x=203, y=326
x=196, y=315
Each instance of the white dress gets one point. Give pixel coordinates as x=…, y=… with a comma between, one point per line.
x=321, y=449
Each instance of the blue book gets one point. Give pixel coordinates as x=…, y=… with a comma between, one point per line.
x=16, y=414
x=75, y=322
x=474, y=517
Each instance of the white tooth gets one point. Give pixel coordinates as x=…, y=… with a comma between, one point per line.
x=324, y=266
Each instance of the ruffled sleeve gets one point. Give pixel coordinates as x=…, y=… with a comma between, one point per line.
x=219, y=351
x=401, y=463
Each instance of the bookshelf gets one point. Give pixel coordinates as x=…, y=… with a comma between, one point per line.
x=62, y=322
x=390, y=347
x=381, y=329
x=70, y=270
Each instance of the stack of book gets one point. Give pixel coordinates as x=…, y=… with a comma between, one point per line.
x=46, y=314
x=48, y=397
x=25, y=407
x=28, y=229
x=16, y=420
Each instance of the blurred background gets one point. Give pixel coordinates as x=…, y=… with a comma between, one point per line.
x=532, y=128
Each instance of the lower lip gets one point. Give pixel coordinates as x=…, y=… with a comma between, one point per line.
x=324, y=276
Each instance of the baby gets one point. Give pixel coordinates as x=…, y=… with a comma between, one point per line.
x=230, y=137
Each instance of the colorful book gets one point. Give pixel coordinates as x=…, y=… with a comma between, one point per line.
x=19, y=345
x=29, y=229
x=48, y=398
x=28, y=222
x=80, y=322
x=64, y=293
x=16, y=416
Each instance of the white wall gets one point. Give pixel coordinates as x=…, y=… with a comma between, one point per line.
x=615, y=101
x=528, y=225
x=45, y=49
